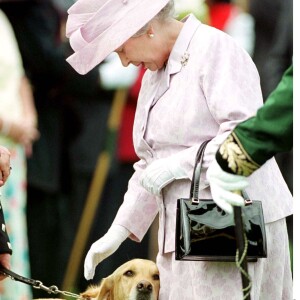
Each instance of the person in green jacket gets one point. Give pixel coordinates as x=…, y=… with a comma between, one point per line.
x=251, y=144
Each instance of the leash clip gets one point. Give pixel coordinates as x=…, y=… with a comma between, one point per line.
x=53, y=289
x=50, y=290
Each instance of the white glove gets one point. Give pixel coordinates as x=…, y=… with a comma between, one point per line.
x=160, y=173
x=103, y=248
x=223, y=185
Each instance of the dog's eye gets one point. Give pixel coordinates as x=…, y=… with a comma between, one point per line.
x=129, y=273
x=156, y=277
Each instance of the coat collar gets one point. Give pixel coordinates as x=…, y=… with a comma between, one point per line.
x=179, y=55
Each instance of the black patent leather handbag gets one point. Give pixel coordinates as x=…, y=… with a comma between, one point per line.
x=205, y=232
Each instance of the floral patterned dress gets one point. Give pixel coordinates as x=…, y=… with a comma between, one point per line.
x=14, y=207
x=13, y=198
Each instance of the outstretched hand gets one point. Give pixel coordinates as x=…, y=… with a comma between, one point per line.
x=103, y=248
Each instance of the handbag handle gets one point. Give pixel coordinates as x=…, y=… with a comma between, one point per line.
x=194, y=192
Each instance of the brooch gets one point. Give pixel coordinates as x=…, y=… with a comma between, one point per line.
x=185, y=58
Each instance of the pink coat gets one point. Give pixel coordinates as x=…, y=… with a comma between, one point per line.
x=208, y=86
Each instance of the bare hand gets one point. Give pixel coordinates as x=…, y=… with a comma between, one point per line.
x=4, y=165
x=5, y=262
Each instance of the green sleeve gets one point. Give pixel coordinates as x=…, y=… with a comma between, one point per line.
x=259, y=138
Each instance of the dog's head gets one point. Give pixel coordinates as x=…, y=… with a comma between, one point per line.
x=137, y=279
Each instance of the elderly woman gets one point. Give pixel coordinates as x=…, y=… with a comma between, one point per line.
x=198, y=86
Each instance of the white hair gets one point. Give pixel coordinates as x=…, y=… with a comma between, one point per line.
x=164, y=14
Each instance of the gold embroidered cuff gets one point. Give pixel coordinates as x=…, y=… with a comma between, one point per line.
x=233, y=158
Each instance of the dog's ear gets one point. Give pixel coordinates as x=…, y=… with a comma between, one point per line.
x=91, y=293
x=104, y=291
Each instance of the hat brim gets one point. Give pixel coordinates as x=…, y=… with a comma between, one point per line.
x=114, y=36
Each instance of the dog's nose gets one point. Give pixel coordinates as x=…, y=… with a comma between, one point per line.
x=144, y=286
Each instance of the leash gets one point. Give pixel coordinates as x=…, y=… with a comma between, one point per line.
x=240, y=260
x=241, y=254
x=38, y=284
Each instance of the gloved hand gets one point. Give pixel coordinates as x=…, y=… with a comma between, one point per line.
x=160, y=173
x=223, y=185
x=103, y=248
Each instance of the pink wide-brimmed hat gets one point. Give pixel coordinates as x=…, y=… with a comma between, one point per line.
x=98, y=27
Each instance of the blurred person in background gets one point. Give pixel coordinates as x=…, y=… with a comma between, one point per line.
x=273, y=25
x=5, y=245
x=232, y=18
x=73, y=112
x=18, y=131
x=280, y=55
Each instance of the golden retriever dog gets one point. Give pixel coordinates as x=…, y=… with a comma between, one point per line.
x=137, y=279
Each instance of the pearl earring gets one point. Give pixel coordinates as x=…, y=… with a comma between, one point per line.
x=151, y=35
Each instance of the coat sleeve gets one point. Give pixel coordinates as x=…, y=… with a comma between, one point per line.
x=259, y=138
x=139, y=207
x=231, y=85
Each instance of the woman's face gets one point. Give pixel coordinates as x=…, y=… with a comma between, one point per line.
x=143, y=50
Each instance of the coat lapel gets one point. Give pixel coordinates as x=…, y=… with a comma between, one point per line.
x=179, y=56
x=158, y=82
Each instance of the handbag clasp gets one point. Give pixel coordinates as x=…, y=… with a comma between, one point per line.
x=248, y=202
x=195, y=201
